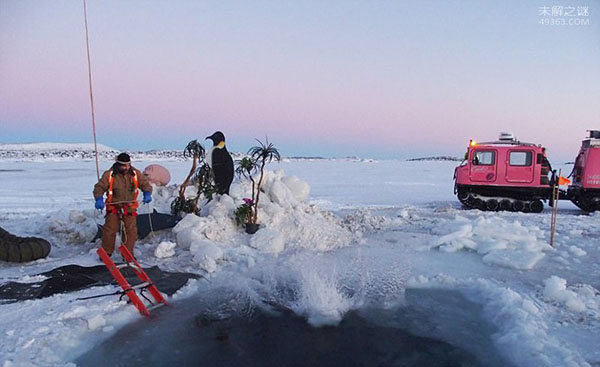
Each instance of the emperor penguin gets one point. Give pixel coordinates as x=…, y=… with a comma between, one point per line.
x=221, y=163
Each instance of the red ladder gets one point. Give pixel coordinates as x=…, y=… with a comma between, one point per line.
x=130, y=290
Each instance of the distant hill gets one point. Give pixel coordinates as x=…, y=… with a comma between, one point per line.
x=38, y=147
x=85, y=151
x=71, y=151
x=437, y=158
x=347, y=159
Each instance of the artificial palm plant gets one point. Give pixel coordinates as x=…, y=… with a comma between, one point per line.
x=201, y=177
x=258, y=157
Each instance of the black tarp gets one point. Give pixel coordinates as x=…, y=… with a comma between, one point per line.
x=70, y=278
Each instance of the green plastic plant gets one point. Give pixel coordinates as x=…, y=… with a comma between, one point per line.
x=245, y=169
x=260, y=155
x=201, y=177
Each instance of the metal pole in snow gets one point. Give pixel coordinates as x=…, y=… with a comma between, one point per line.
x=555, y=195
x=87, y=43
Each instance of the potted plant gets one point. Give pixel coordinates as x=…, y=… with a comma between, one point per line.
x=201, y=177
x=259, y=156
x=243, y=214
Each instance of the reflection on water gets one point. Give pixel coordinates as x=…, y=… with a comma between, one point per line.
x=228, y=329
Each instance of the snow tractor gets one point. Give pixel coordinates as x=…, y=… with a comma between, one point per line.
x=584, y=190
x=506, y=174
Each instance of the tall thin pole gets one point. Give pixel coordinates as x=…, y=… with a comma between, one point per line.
x=555, y=197
x=87, y=43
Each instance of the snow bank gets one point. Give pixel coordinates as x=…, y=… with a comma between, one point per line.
x=503, y=243
x=286, y=221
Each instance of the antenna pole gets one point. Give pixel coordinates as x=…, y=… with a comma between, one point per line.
x=87, y=43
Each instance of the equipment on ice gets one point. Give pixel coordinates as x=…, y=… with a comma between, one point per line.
x=148, y=223
x=584, y=191
x=22, y=249
x=157, y=174
x=506, y=174
x=129, y=290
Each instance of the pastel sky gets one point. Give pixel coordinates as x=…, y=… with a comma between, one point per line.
x=381, y=79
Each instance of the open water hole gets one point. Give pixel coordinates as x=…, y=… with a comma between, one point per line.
x=435, y=327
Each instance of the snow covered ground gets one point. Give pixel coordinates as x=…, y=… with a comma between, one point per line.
x=338, y=236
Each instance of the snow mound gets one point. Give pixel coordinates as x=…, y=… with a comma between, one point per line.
x=77, y=227
x=286, y=221
x=216, y=224
x=503, y=243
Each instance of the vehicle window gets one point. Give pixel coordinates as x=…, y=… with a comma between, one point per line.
x=484, y=158
x=520, y=158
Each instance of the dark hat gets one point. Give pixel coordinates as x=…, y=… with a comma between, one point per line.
x=123, y=158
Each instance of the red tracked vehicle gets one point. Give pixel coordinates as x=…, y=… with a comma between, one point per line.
x=503, y=175
x=584, y=191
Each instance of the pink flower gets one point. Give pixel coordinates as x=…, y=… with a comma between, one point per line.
x=248, y=201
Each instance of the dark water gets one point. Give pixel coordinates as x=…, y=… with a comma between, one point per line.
x=230, y=331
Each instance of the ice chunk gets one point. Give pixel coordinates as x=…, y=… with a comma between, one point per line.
x=522, y=260
x=96, y=322
x=299, y=189
x=206, y=254
x=281, y=194
x=165, y=249
x=556, y=289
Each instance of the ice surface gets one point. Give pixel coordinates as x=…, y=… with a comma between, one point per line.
x=340, y=237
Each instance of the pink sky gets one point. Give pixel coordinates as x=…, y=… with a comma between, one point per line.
x=378, y=79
